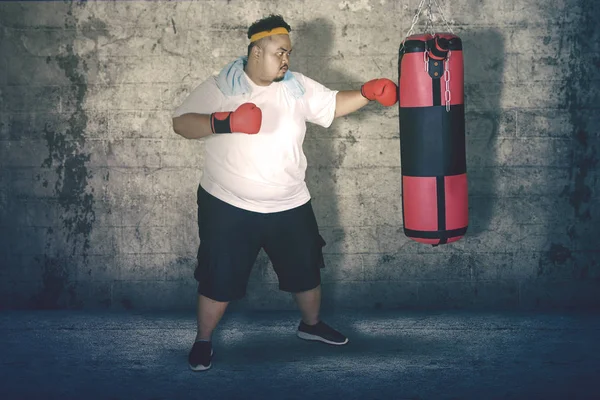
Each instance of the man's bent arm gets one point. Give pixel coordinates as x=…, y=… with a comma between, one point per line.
x=193, y=126
x=348, y=101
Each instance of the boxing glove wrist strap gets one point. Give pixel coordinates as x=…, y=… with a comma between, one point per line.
x=219, y=122
x=363, y=93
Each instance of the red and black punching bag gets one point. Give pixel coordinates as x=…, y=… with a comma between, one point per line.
x=432, y=138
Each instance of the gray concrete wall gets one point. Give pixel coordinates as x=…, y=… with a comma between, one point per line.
x=97, y=194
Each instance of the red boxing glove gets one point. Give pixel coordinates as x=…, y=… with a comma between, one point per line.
x=247, y=118
x=383, y=90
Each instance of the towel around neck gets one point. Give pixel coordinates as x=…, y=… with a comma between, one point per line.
x=233, y=82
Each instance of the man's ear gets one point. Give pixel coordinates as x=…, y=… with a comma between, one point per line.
x=256, y=51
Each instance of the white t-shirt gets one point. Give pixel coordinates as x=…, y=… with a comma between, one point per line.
x=263, y=172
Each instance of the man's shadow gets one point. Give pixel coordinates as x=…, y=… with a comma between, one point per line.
x=332, y=154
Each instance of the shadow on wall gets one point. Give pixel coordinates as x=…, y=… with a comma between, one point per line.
x=22, y=195
x=448, y=276
x=326, y=150
x=46, y=207
x=484, y=54
x=567, y=274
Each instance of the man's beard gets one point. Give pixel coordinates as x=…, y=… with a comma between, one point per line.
x=279, y=79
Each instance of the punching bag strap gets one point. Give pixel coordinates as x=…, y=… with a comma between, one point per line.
x=438, y=48
x=437, y=56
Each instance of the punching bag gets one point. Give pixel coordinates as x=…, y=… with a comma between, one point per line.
x=432, y=138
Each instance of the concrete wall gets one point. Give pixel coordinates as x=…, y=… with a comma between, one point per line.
x=97, y=194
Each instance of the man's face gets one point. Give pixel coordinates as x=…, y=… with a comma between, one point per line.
x=275, y=57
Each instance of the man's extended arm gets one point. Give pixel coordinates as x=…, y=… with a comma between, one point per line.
x=383, y=90
x=348, y=101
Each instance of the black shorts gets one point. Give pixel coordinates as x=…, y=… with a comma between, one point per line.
x=231, y=238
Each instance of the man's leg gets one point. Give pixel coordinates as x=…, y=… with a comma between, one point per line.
x=311, y=327
x=295, y=247
x=209, y=314
x=230, y=239
x=309, y=303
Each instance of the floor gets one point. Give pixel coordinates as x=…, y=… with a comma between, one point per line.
x=391, y=355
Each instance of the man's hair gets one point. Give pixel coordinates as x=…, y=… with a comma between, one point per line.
x=266, y=24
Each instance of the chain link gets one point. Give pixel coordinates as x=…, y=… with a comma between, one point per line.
x=429, y=23
x=447, y=94
x=443, y=17
x=414, y=21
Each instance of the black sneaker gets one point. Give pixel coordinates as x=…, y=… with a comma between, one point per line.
x=200, y=356
x=322, y=333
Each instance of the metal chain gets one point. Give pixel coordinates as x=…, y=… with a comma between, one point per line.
x=447, y=94
x=430, y=23
x=443, y=16
x=414, y=21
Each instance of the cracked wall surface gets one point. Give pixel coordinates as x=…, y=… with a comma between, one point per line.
x=97, y=194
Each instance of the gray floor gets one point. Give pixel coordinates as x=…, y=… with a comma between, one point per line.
x=391, y=355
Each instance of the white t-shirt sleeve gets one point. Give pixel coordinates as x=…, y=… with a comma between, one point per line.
x=206, y=98
x=319, y=101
